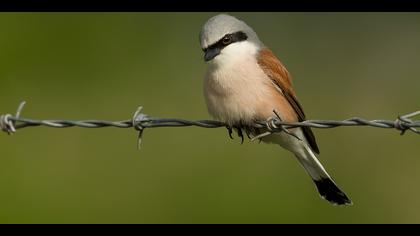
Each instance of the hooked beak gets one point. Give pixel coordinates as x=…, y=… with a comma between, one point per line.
x=211, y=53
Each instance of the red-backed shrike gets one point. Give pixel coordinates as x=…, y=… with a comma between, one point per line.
x=245, y=82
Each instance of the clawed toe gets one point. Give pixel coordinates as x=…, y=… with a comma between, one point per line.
x=229, y=131
x=239, y=130
x=240, y=134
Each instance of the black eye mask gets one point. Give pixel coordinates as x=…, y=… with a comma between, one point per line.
x=213, y=50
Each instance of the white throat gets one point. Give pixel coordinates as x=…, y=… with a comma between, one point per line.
x=232, y=53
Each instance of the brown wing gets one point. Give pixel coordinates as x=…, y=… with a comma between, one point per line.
x=281, y=77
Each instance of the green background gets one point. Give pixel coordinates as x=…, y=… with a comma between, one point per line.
x=104, y=65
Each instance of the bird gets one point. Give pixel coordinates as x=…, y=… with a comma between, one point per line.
x=245, y=82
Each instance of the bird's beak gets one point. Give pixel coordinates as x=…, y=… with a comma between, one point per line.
x=211, y=53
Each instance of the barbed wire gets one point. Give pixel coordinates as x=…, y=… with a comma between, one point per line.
x=141, y=121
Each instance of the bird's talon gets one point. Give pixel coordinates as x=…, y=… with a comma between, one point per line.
x=240, y=134
x=229, y=131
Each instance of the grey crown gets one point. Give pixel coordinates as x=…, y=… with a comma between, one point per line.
x=220, y=25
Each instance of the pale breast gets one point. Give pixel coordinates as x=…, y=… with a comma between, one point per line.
x=239, y=91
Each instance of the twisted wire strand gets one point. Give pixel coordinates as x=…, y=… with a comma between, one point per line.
x=140, y=121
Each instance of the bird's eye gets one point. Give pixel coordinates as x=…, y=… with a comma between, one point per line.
x=227, y=39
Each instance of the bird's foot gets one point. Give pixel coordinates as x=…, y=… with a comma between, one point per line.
x=230, y=131
x=240, y=134
x=239, y=130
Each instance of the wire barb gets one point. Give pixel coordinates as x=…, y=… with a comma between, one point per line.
x=7, y=122
x=138, y=117
x=403, y=123
x=140, y=121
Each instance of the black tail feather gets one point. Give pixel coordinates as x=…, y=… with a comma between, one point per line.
x=330, y=192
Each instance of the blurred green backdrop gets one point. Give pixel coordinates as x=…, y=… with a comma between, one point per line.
x=104, y=65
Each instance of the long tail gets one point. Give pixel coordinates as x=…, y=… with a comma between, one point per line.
x=326, y=186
